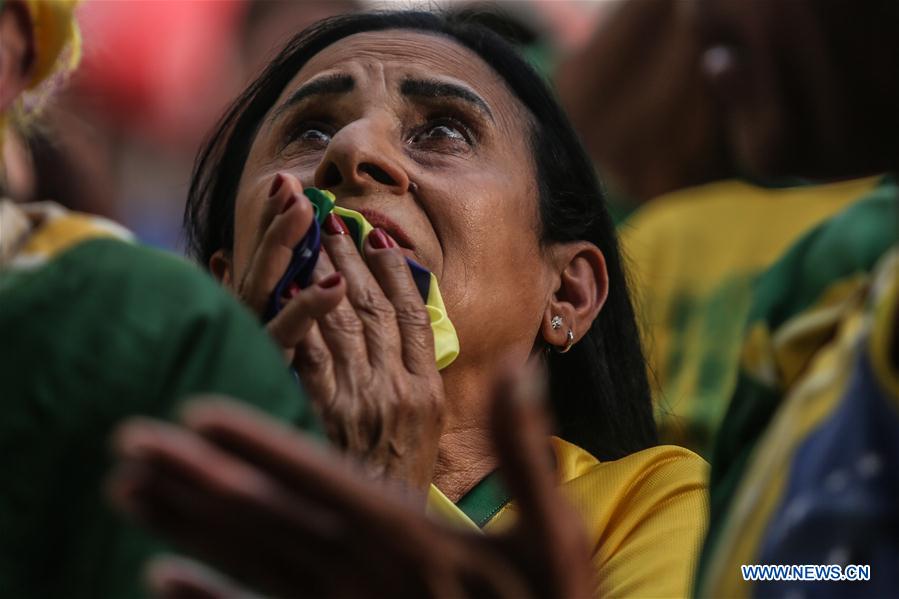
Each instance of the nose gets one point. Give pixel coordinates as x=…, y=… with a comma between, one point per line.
x=361, y=158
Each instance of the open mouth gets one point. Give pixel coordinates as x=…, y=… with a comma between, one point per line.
x=382, y=221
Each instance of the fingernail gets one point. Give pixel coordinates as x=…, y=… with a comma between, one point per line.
x=277, y=182
x=290, y=202
x=334, y=225
x=381, y=240
x=332, y=280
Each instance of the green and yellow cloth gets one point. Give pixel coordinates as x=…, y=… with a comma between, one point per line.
x=694, y=256
x=810, y=394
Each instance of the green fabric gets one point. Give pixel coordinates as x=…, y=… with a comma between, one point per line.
x=322, y=203
x=849, y=243
x=104, y=331
x=845, y=245
x=484, y=500
x=543, y=58
x=706, y=335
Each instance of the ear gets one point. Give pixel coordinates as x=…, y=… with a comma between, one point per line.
x=16, y=52
x=583, y=287
x=221, y=267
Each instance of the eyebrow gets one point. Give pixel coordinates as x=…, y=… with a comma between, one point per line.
x=425, y=88
x=322, y=86
x=429, y=88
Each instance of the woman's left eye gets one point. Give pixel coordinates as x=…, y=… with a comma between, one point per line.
x=442, y=130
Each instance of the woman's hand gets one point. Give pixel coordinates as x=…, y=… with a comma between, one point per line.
x=360, y=338
x=283, y=516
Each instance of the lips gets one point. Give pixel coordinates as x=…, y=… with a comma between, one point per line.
x=382, y=221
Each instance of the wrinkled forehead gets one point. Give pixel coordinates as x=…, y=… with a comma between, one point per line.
x=386, y=58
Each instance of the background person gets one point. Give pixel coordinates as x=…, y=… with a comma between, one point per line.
x=698, y=235
x=803, y=470
x=95, y=328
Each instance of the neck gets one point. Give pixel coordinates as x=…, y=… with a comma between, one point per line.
x=466, y=453
x=465, y=457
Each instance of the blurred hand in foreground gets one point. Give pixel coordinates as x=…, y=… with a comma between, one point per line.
x=284, y=516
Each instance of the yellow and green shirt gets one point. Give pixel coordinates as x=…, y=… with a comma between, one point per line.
x=94, y=329
x=801, y=309
x=693, y=257
x=645, y=515
x=820, y=486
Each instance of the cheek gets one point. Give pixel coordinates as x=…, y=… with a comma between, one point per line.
x=494, y=281
x=486, y=224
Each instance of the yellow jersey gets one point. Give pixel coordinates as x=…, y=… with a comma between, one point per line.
x=645, y=516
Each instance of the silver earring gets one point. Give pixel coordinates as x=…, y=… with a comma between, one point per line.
x=556, y=322
x=568, y=343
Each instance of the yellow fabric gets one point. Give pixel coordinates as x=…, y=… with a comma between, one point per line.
x=812, y=398
x=55, y=30
x=884, y=328
x=446, y=341
x=645, y=516
x=781, y=360
x=33, y=233
x=693, y=256
x=442, y=509
x=57, y=49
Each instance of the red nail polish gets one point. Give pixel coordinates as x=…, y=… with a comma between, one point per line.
x=381, y=240
x=332, y=280
x=334, y=225
x=277, y=182
x=290, y=202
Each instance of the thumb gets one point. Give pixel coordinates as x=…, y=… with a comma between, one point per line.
x=521, y=429
x=175, y=577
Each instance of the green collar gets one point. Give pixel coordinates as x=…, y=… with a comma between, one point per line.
x=485, y=499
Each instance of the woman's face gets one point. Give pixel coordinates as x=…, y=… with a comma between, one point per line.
x=421, y=136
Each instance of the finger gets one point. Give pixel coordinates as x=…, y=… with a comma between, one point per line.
x=315, y=366
x=140, y=439
x=521, y=432
x=172, y=577
x=156, y=447
x=219, y=531
x=384, y=541
x=277, y=200
x=293, y=322
x=342, y=332
x=295, y=461
x=198, y=517
x=274, y=251
x=313, y=358
x=372, y=307
x=390, y=268
x=204, y=501
x=485, y=569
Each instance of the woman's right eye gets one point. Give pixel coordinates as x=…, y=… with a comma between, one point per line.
x=312, y=134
